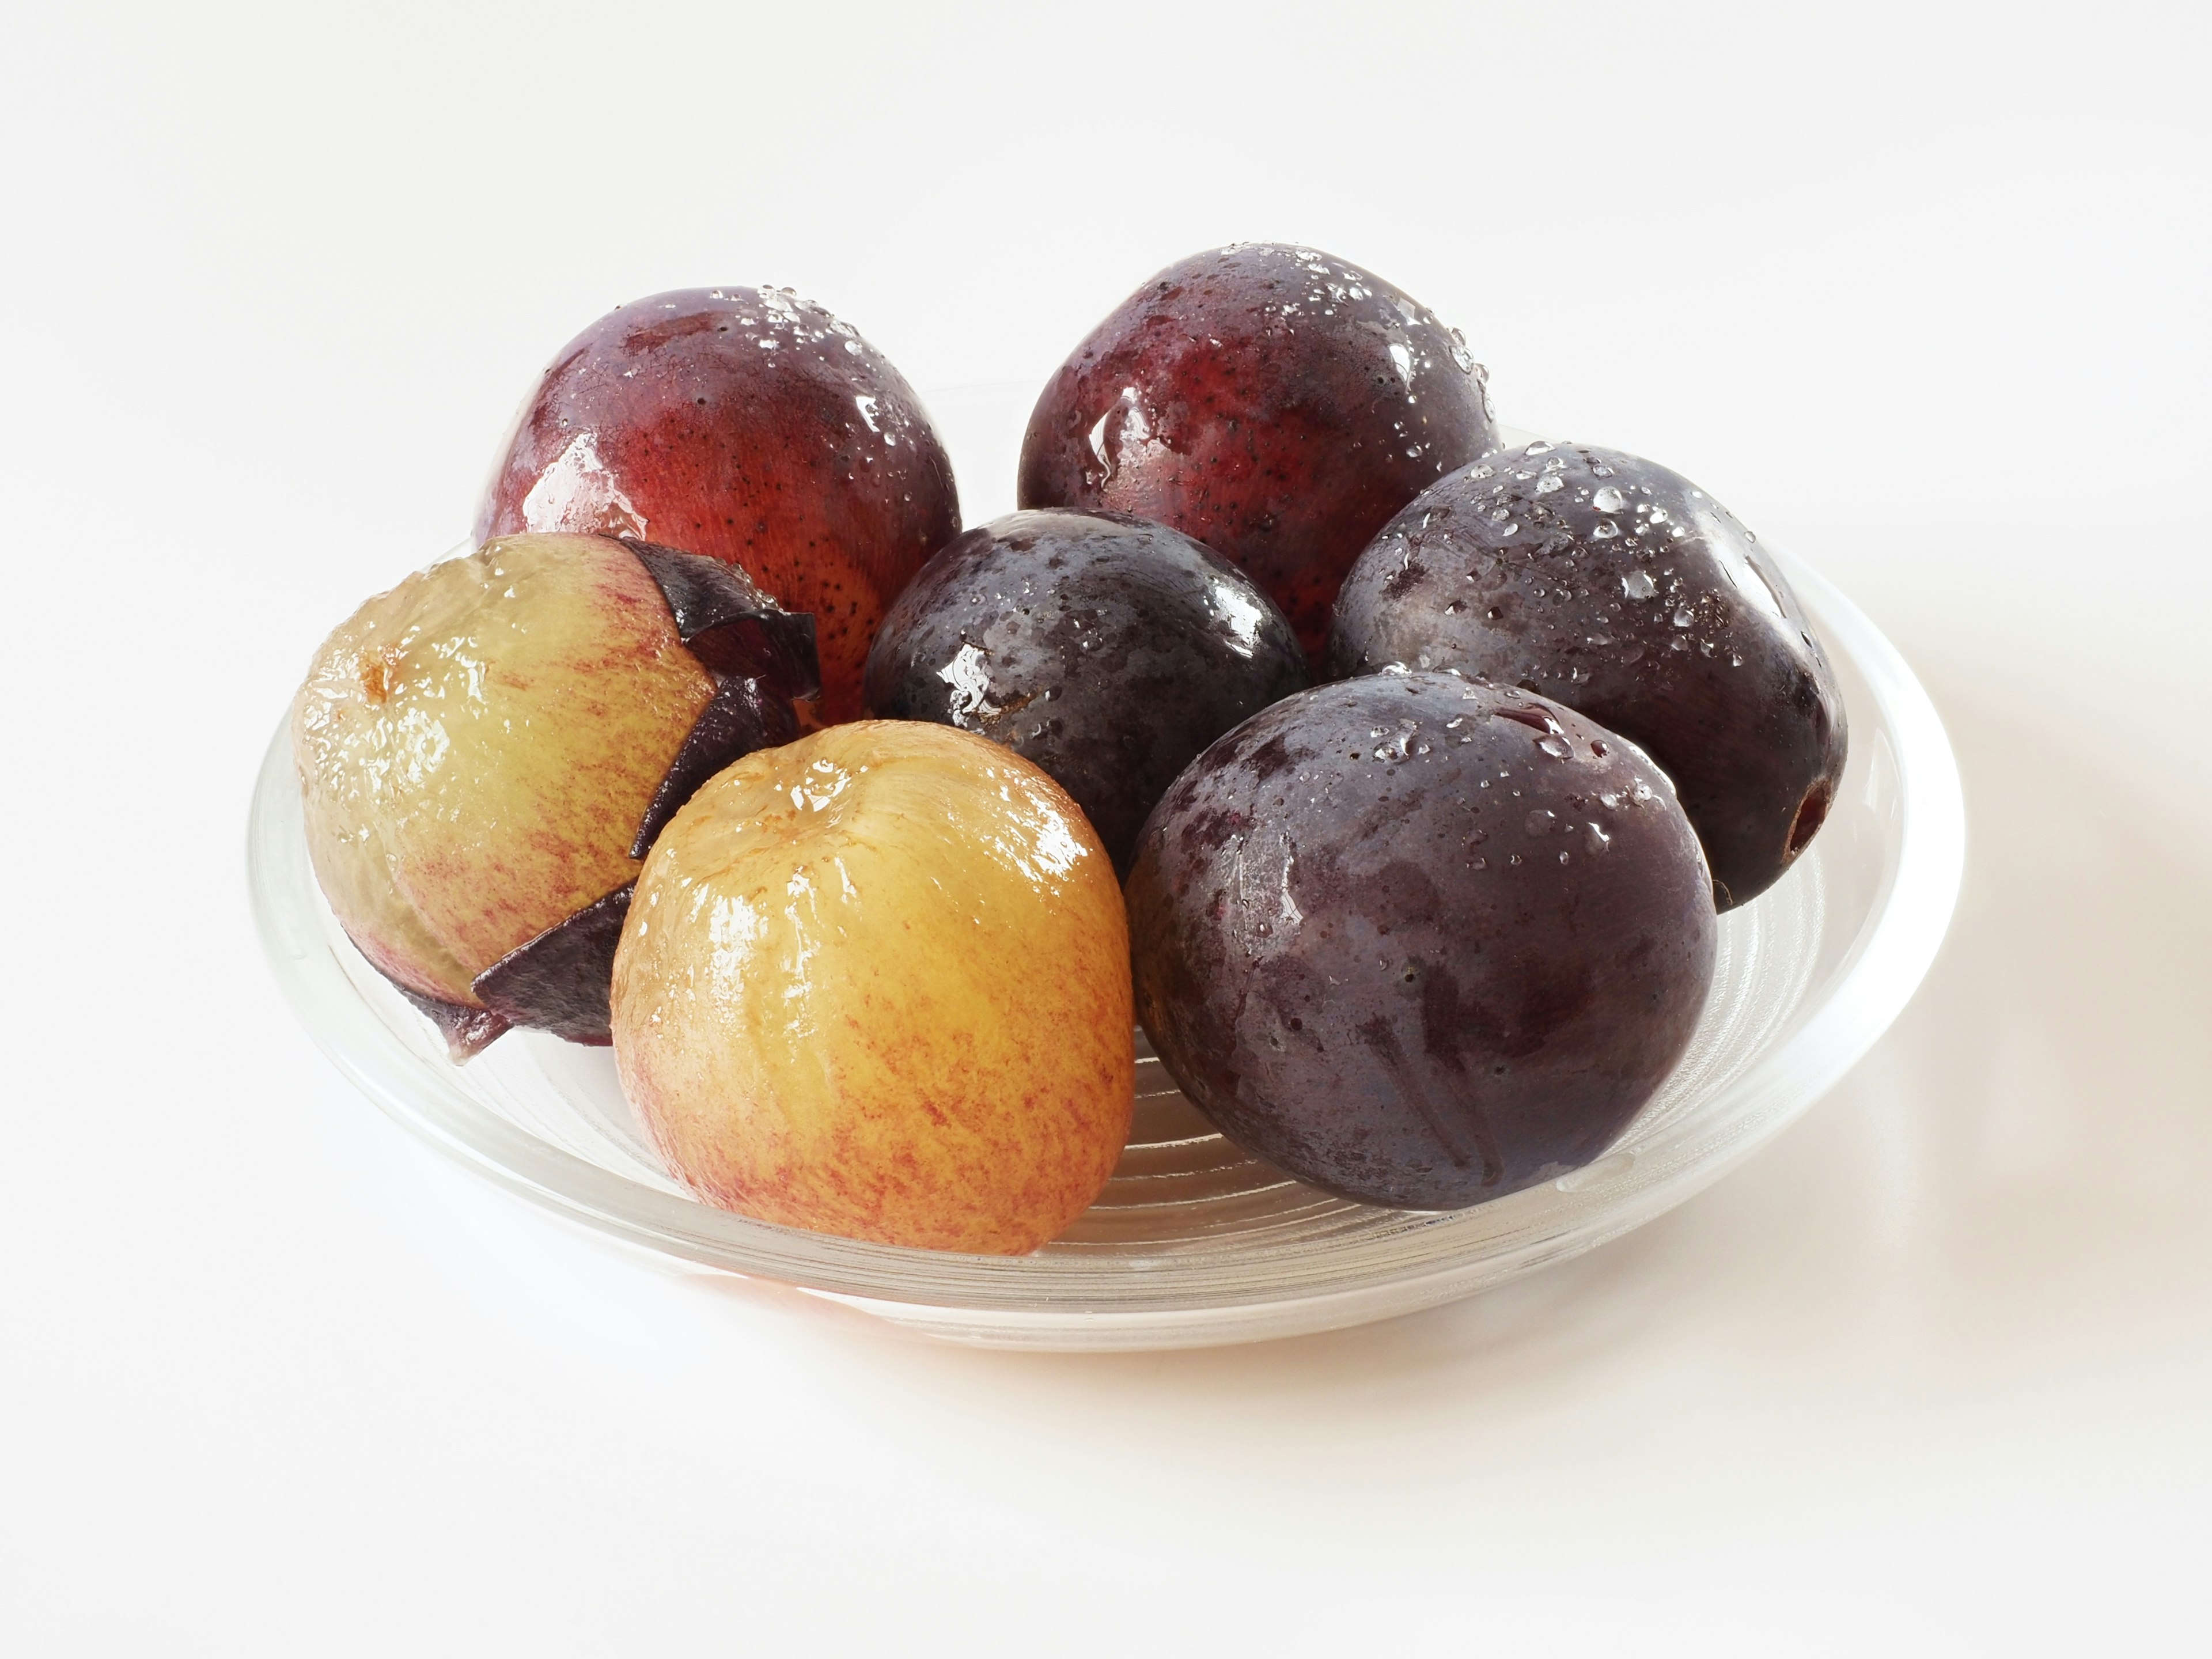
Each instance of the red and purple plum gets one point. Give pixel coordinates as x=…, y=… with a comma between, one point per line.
x=1277, y=404
x=751, y=426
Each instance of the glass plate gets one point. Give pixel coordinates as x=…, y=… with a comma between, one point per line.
x=1193, y=1242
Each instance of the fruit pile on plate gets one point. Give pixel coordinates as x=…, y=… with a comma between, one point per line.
x=1390, y=776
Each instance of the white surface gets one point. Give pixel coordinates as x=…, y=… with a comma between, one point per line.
x=1917, y=290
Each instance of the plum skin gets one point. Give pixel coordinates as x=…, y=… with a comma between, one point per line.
x=1276, y=403
x=477, y=749
x=749, y=425
x=876, y=983
x=403, y=733
x=1420, y=942
x=1619, y=588
x=1106, y=649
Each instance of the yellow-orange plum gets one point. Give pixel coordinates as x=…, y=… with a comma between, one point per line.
x=876, y=983
x=476, y=747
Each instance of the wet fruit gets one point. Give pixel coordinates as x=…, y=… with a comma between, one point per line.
x=1106, y=649
x=751, y=426
x=485, y=751
x=876, y=983
x=1275, y=403
x=1419, y=941
x=1617, y=587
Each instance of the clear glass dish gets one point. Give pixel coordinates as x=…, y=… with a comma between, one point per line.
x=1193, y=1242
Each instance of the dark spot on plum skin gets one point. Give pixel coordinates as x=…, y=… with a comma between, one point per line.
x=1404, y=580
x=1215, y=829
x=1271, y=758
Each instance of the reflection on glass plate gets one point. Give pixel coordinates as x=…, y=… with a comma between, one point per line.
x=1193, y=1242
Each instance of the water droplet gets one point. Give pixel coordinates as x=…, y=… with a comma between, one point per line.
x=1554, y=747
x=1548, y=483
x=1539, y=447
x=1595, y=838
x=1683, y=617
x=1608, y=500
x=1541, y=823
x=1638, y=584
x=1515, y=859
x=1604, y=530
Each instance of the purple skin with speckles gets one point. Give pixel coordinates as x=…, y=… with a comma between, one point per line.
x=1622, y=590
x=1419, y=941
x=1277, y=404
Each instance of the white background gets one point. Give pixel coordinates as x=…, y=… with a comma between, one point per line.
x=1918, y=289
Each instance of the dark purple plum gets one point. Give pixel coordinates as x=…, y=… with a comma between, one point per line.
x=1420, y=941
x=1106, y=649
x=1277, y=404
x=1624, y=591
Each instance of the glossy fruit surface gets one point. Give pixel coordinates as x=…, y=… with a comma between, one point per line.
x=486, y=752
x=1419, y=941
x=876, y=983
x=1617, y=587
x=750, y=425
x=1277, y=404
x=477, y=745
x=1106, y=649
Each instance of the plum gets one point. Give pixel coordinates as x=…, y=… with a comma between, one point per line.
x=1277, y=404
x=751, y=426
x=1106, y=649
x=1420, y=941
x=486, y=752
x=877, y=983
x=1622, y=590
